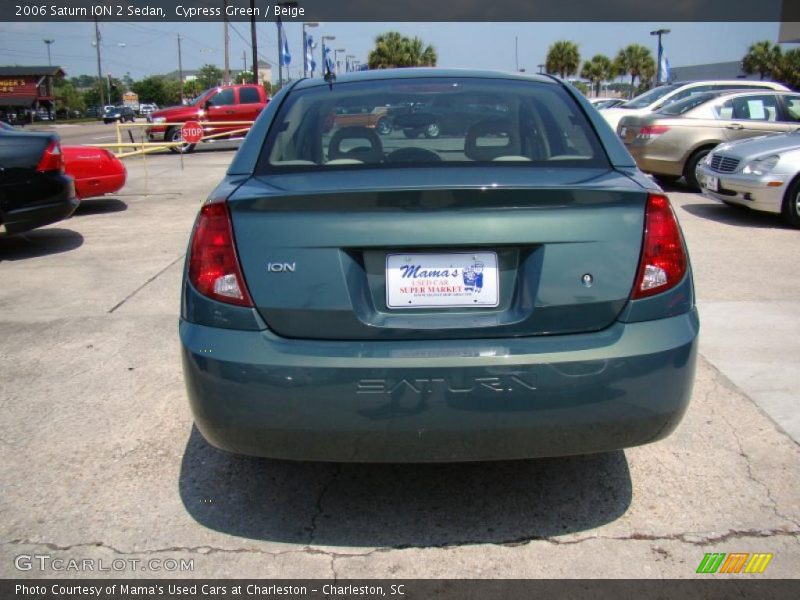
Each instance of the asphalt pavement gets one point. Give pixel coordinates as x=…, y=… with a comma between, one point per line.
x=99, y=458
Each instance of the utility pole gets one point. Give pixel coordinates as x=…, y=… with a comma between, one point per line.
x=48, y=42
x=180, y=66
x=244, y=65
x=253, y=42
x=516, y=53
x=99, y=69
x=226, y=76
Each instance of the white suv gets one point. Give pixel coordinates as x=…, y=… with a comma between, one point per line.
x=660, y=96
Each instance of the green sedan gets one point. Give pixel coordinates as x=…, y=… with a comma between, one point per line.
x=513, y=287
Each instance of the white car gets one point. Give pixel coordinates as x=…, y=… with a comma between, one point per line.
x=761, y=173
x=659, y=97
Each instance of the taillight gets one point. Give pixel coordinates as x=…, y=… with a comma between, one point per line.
x=651, y=131
x=663, y=262
x=213, y=265
x=52, y=159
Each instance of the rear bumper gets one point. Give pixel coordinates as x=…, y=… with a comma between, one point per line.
x=46, y=211
x=651, y=160
x=448, y=400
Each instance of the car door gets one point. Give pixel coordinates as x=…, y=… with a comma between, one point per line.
x=752, y=115
x=249, y=103
x=220, y=107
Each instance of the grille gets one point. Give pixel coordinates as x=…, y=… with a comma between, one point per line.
x=723, y=164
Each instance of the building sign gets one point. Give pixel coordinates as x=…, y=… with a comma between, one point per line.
x=26, y=86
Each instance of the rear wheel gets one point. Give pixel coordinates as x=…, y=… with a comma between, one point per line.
x=174, y=135
x=690, y=171
x=669, y=179
x=791, y=205
x=432, y=130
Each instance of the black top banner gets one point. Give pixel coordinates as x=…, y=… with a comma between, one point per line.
x=400, y=10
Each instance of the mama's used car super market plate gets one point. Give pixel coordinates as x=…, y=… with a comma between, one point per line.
x=445, y=280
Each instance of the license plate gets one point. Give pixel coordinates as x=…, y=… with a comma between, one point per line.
x=442, y=280
x=712, y=183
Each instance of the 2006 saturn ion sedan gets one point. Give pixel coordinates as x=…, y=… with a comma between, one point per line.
x=515, y=290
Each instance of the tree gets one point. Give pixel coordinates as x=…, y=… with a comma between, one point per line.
x=637, y=61
x=68, y=98
x=563, y=58
x=763, y=58
x=598, y=70
x=395, y=50
x=208, y=76
x=191, y=88
x=788, y=69
x=151, y=89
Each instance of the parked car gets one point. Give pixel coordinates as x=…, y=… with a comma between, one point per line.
x=521, y=290
x=146, y=109
x=444, y=115
x=96, y=171
x=120, y=114
x=34, y=191
x=225, y=103
x=600, y=103
x=376, y=118
x=659, y=97
x=673, y=142
x=93, y=111
x=761, y=173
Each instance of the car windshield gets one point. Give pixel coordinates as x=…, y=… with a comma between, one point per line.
x=430, y=121
x=201, y=97
x=683, y=106
x=648, y=98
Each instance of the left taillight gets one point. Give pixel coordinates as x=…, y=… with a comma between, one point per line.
x=52, y=159
x=663, y=261
x=648, y=132
x=214, y=268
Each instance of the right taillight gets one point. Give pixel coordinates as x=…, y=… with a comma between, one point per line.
x=213, y=265
x=52, y=159
x=663, y=262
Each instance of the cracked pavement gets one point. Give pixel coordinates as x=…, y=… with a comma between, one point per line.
x=99, y=458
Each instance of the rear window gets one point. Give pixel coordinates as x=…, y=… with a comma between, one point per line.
x=249, y=95
x=430, y=122
x=683, y=106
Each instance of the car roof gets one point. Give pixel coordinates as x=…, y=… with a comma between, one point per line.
x=742, y=82
x=423, y=72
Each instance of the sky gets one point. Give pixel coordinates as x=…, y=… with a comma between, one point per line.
x=143, y=49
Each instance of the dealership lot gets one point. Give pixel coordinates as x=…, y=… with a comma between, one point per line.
x=100, y=460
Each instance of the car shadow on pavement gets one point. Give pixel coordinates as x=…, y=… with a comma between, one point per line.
x=396, y=505
x=738, y=216
x=39, y=242
x=98, y=206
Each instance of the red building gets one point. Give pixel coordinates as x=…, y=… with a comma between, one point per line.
x=27, y=91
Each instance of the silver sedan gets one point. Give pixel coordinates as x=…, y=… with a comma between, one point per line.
x=761, y=173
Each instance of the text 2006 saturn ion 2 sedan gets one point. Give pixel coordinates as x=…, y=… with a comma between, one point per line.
x=517, y=290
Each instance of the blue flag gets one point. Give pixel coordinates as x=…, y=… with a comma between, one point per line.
x=665, y=71
x=326, y=57
x=311, y=65
x=286, y=57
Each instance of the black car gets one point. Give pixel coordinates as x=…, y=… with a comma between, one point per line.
x=119, y=113
x=449, y=114
x=34, y=191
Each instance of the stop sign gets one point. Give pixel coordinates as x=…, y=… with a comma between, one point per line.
x=192, y=132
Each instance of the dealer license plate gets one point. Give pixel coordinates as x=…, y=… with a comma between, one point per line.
x=712, y=183
x=445, y=280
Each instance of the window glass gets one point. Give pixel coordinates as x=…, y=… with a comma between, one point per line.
x=792, y=107
x=249, y=95
x=751, y=108
x=649, y=97
x=222, y=98
x=427, y=121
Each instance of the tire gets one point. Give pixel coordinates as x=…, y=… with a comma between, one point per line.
x=411, y=133
x=432, y=131
x=790, y=211
x=690, y=170
x=384, y=127
x=668, y=179
x=174, y=135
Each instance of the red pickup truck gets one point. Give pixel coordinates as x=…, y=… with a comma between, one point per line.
x=223, y=103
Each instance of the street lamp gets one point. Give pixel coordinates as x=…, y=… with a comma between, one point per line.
x=305, y=46
x=349, y=60
x=659, y=33
x=541, y=69
x=280, y=40
x=48, y=42
x=324, y=63
x=336, y=57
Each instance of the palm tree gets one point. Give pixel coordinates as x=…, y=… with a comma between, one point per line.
x=788, y=69
x=395, y=50
x=763, y=58
x=563, y=58
x=598, y=70
x=637, y=61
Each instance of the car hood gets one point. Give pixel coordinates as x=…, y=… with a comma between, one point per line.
x=772, y=144
x=177, y=112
